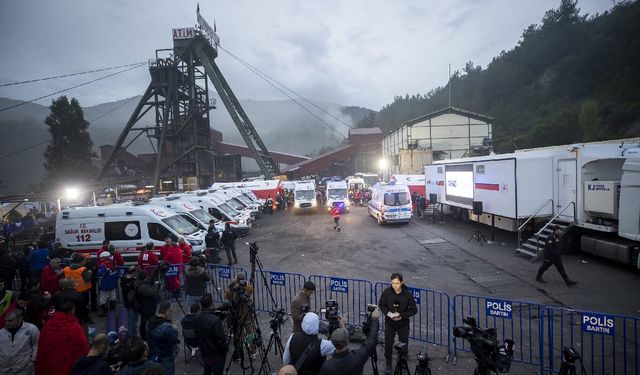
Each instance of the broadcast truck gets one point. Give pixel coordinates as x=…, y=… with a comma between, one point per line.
x=590, y=190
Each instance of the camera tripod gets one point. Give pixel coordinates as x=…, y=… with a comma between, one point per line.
x=239, y=334
x=402, y=368
x=478, y=235
x=162, y=289
x=275, y=342
x=568, y=366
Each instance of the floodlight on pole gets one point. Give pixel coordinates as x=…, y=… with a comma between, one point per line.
x=383, y=164
x=72, y=193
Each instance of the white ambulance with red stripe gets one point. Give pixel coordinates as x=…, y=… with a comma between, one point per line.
x=127, y=226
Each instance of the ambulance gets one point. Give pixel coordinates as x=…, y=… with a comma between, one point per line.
x=337, y=195
x=192, y=213
x=390, y=203
x=215, y=205
x=304, y=196
x=127, y=226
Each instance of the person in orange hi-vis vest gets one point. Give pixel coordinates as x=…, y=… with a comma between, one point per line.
x=80, y=275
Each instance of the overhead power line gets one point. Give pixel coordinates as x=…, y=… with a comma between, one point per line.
x=71, y=88
x=23, y=149
x=270, y=80
x=71, y=74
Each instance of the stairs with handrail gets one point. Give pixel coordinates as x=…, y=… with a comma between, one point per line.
x=534, y=245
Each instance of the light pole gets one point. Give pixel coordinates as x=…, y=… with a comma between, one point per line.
x=383, y=164
x=70, y=193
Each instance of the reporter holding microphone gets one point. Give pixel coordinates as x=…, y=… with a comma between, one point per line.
x=397, y=305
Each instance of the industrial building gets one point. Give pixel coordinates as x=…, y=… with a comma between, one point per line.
x=445, y=134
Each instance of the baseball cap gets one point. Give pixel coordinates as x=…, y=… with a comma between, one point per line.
x=340, y=337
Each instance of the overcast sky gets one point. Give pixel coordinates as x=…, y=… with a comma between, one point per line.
x=348, y=52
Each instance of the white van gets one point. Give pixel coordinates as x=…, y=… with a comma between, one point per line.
x=216, y=207
x=337, y=195
x=390, y=202
x=305, y=196
x=240, y=199
x=127, y=226
x=191, y=212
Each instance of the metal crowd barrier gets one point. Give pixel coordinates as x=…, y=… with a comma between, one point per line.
x=352, y=296
x=607, y=343
x=283, y=285
x=221, y=277
x=432, y=323
x=519, y=321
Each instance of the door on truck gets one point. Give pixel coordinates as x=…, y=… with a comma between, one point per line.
x=566, y=188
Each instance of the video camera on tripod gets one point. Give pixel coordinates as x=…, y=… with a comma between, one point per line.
x=240, y=295
x=278, y=317
x=331, y=312
x=489, y=354
x=366, y=325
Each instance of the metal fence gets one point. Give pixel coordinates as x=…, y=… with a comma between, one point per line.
x=519, y=321
x=607, y=343
x=283, y=286
x=352, y=295
x=432, y=323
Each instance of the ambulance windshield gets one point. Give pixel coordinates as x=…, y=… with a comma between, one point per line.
x=396, y=199
x=180, y=225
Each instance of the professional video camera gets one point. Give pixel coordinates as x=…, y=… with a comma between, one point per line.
x=569, y=358
x=423, y=368
x=331, y=314
x=240, y=294
x=489, y=354
x=163, y=266
x=402, y=349
x=366, y=325
x=278, y=317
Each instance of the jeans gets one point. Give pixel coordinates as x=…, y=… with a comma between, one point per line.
x=191, y=300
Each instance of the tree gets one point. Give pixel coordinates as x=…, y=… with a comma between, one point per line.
x=588, y=120
x=68, y=156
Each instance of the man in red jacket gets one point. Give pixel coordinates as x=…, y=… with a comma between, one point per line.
x=147, y=259
x=50, y=277
x=62, y=342
x=173, y=257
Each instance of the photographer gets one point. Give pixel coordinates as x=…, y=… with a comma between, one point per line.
x=195, y=281
x=398, y=305
x=305, y=350
x=300, y=305
x=211, y=338
x=351, y=362
x=229, y=241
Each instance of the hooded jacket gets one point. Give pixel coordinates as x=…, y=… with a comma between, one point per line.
x=162, y=338
x=91, y=365
x=298, y=342
x=137, y=367
x=18, y=351
x=302, y=299
x=195, y=280
x=62, y=342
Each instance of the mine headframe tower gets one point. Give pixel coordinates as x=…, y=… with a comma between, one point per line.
x=178, y=94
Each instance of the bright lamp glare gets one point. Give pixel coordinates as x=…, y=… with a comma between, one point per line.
x=72, y=193
x=383, y=163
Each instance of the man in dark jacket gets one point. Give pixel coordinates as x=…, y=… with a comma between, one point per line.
x=146, y=299
x=229, y=241
x=553, y=257
x=68, y=293
x=127, y=286
x=345, y=362
x=162, y=338
x=195, y=281
x=212, y=243
x=398, y=305
x=301, y=304
x=94, y=362
x=211, y=338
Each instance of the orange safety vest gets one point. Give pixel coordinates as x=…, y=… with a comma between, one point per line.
x=76, y=275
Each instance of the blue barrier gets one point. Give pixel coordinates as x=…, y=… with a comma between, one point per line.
x=519, y=321
x=607, y=343
x=352, y=296
x=283, y=285
x=432, y=323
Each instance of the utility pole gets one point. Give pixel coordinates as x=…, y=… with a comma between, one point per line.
x=449, y=84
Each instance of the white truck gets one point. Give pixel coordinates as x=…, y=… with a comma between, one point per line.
x=337, y=195
x=390, y=203
x=593, y=188
x=304, y=195
x=127, y=226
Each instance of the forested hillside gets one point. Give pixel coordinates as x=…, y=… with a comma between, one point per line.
x=571, y=78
